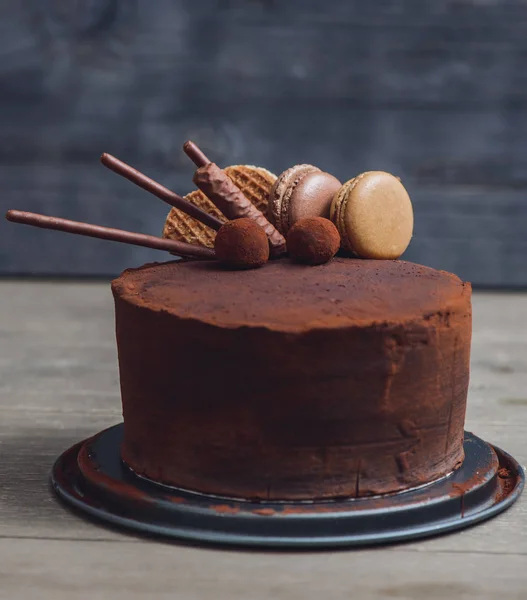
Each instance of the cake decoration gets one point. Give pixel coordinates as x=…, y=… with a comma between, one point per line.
x=163, y=193
x=108, y=233
x=219, y=188
x=372, y=213
x=301, y=191
x=374, y=216
x=313, y=241
x=242, y=244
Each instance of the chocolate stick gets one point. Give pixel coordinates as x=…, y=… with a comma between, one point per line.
x=195, y=154
x=135, y=176
x=224, y=193
x=108, y=233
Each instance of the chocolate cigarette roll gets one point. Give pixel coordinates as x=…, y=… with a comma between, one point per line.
x=109, y=233
x=213, y=182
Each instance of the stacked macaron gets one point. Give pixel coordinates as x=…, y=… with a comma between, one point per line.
x=372, y=212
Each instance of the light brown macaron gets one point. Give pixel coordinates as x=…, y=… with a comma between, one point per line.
x=373, y=213
x=300, y=192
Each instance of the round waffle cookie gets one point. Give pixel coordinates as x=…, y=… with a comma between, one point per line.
x=254, y=182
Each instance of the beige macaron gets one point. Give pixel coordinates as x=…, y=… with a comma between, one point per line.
x=373, y=213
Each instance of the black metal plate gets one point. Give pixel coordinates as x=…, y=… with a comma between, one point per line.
x=91, y=476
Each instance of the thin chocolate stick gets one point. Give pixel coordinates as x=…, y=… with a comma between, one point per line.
x=108, y=233
x=195, y=154
x=135, y=176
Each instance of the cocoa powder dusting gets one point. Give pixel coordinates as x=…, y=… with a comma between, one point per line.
x=266, y=512
x=225, y=509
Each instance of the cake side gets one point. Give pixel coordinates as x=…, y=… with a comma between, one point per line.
x=247, y=406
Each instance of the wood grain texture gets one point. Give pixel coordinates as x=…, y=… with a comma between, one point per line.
x=59, y=384
x=434, y=92
x=80, y=570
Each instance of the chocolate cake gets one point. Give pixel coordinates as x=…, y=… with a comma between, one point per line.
x=274, y=395
x=291, y=382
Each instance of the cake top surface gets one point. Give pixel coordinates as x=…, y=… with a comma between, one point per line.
x=290, y=297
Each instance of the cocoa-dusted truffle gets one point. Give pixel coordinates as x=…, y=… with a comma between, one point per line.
x=242, y=244
x=313, y=241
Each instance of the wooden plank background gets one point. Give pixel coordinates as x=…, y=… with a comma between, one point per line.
x=435, y=92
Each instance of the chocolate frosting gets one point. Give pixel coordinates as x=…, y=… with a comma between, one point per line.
x=293, y=382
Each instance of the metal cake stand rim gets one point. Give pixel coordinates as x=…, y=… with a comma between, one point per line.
x=136, y=504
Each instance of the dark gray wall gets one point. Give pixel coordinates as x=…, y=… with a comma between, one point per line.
x=435, y=92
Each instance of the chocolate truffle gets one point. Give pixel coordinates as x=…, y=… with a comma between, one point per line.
x=313, y=241
x=242, y=244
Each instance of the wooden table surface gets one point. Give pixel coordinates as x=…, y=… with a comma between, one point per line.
x=59, y=384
